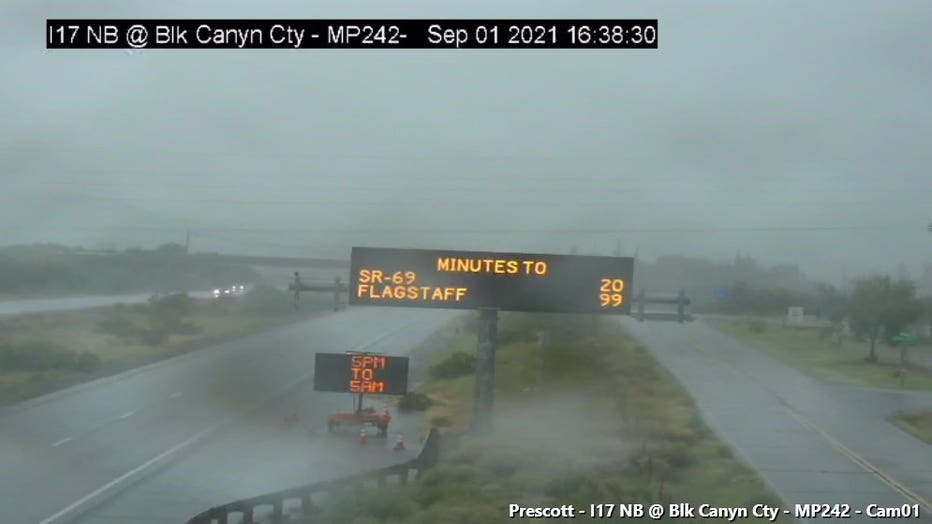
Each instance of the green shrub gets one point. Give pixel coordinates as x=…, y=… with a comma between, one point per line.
x=153, y=336
x=448, y=483
x=414, y=402
x=187, y=328
x=266, y=300
x=464, y=512
x=87, y=362
x=35, y=355
x=347, y=506
x=456, y=364
x=564, y=487
x=562, y=363
x=441, y=421
x=724, y=451
x=757, y=326
x=678, y=456
x=116, y=325
x=38, y=355
x=171, y=307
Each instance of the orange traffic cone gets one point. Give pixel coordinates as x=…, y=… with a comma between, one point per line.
x=363, y=438
x=400, y=443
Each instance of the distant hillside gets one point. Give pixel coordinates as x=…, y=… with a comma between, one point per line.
x=48, y=269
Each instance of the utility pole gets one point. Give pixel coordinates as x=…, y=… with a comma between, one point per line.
x=681, y=307
x=485, y=369
x=187, y=241
x=297, y=290
x=640, y=300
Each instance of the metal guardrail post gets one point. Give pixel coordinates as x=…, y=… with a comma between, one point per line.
x=428, y=457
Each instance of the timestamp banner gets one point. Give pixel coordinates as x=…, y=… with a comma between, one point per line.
x=351, y=34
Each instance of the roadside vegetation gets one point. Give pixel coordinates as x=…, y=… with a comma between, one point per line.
x=827, y=355
x=918, y=425
x=42, y=352
x=875, y=335
x=586, y=417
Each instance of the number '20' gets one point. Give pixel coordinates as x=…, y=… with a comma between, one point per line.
x=612, y=285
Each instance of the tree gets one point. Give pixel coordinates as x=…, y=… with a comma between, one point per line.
x=831, y=303
x=926, y=315
x=168, y=312
x=879, y=307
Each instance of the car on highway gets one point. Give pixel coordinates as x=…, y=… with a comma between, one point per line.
x=230, y=291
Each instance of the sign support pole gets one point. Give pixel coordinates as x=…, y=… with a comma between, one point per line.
x=485, y=369
x=640, y=300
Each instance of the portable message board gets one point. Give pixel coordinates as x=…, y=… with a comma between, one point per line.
x=355, y=373
x=480, y=279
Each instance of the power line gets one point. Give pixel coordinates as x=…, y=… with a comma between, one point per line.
x=410, y=200
x=554, y=231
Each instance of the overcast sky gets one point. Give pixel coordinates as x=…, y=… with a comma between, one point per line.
x=756, y=115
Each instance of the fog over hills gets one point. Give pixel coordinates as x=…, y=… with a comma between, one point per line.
x=796, y=133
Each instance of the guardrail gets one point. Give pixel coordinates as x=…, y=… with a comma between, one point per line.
x=302, y=497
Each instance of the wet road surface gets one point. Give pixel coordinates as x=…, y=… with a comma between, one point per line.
x=163, y=443
x=812, y=442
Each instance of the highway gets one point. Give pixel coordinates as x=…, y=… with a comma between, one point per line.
x=812, y=442
x=46, y=305
x=164, y=442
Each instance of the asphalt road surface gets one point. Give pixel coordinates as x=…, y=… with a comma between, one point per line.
x=167, y=441
x=812, y=442
x=44, y=305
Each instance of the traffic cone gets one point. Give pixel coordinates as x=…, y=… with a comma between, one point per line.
x=363, y=438
x=400, y=443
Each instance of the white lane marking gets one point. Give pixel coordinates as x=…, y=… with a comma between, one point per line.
x=97, y=492
x=175, y=394
x=383, y=336
x=128, y=414
x=121, y=478
x=62, y=441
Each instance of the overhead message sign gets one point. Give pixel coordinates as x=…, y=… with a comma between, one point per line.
x=480, y=279
x=351, y=373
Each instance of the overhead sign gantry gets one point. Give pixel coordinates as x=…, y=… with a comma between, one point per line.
x=489, y=282
x=481, y=279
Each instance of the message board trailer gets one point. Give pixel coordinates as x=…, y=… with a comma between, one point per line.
x=360, y=373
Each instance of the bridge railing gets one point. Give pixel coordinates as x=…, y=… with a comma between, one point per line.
x=303, y=497
x=680, y=300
